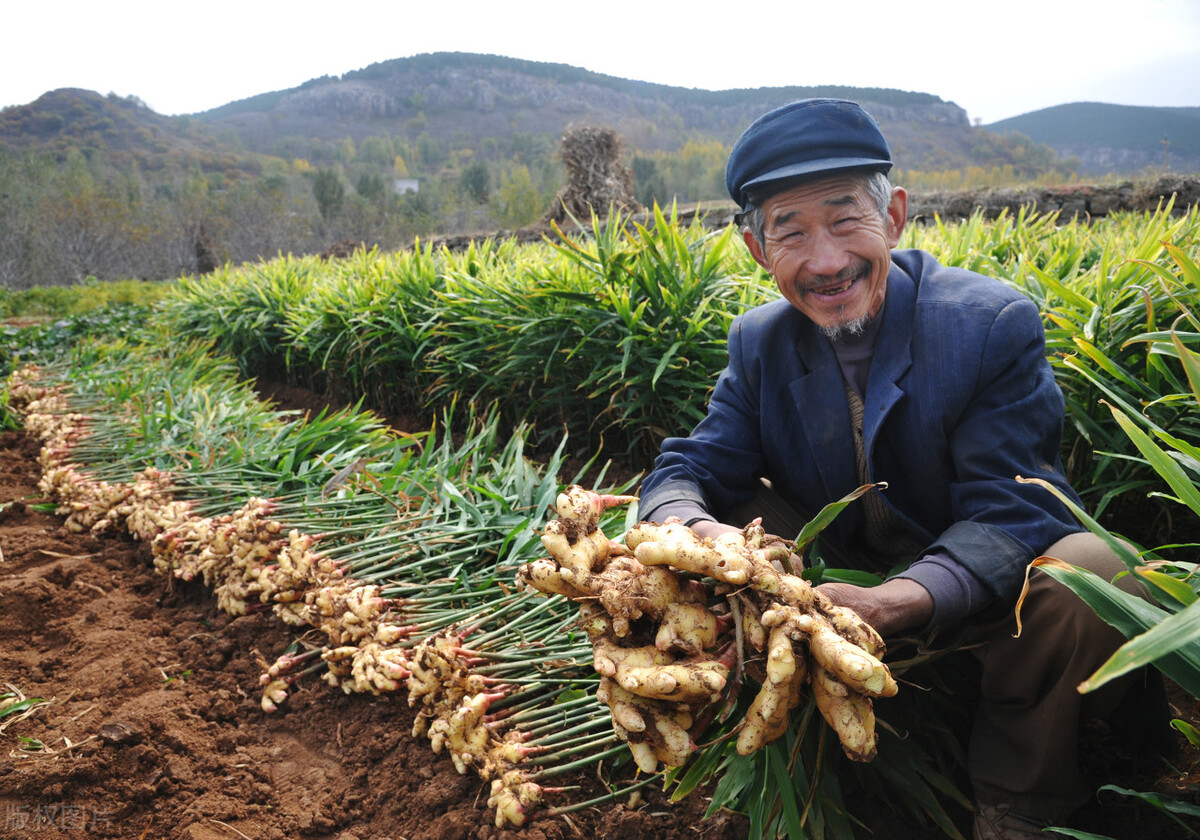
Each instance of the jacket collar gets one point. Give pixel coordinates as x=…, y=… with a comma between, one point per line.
x=892, y=356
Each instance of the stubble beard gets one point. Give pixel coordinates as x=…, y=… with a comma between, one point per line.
x=846, y=327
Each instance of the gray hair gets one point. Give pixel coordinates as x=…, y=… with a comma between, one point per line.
x=879, y=188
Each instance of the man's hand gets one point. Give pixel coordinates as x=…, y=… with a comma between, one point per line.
x=895, y=605
x=708, y=529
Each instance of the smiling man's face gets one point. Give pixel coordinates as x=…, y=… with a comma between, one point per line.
x=829, y=249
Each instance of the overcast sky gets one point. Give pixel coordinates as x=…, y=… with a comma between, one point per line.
x=995, y=60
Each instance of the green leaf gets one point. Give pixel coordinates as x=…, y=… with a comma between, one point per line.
x=740, y=773
x=1173, y=586
x=1129, y=614
x=828, y=574
x=20, y=706
x=829, y=513
x=1175, y=633
x=1190, y=732
x=700, y=770
x=666, y=360
x=1118, y=547
x=1164, y=804
x=782, y=783
x=1191, y=363
x=1163, y=464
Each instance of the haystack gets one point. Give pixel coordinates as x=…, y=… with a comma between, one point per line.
x=596, y=178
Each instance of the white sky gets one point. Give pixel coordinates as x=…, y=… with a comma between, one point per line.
x=995, y=60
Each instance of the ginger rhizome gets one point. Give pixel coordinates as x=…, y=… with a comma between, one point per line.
x=672, y=617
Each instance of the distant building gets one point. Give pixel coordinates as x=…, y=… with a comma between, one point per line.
x=406, y=185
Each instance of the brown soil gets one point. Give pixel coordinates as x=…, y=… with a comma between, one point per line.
x=154, y=728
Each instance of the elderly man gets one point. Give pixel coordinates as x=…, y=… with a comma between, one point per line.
x=881, y=365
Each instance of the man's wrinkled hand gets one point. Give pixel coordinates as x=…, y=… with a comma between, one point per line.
x=895, y=605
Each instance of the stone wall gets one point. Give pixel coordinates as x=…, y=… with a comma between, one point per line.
x=1068, y=202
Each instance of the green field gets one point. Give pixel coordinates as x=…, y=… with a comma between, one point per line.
x=585, y=349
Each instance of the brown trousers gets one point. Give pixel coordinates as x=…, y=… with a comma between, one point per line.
x=1024, y=741
x=1025, y=734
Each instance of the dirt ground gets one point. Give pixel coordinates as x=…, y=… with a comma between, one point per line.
x=154, y=728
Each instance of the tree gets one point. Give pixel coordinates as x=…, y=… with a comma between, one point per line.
x=520, y=201
x=84, y=235
x=697, y=171
x=345, y=153
x=475, y=181
x=329, y=193
x=377, y=150
x=649, y=184
x=431, y=152
x=371, y=186
x=257, y=222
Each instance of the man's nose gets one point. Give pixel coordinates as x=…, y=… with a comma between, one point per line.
x=825, y=255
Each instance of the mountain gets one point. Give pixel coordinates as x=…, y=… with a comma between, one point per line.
x=458, y=105
x=453, y=144
x=121, y=129
x=486, y=96
x=1114, y=138
x=472, y=97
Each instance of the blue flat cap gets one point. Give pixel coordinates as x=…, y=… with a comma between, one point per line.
x=809, y=137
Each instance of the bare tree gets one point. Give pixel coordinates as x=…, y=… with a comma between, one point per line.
x=83, y=235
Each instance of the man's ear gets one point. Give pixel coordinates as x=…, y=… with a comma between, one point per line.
x=756, y=250
x=897, y=214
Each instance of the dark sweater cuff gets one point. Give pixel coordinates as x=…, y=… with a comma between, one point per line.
x=686, y=510
x=957, y=594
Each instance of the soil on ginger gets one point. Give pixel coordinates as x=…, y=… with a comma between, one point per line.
x=154, y=728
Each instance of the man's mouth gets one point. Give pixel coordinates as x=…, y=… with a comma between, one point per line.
x=845, y=279
x=831, y=291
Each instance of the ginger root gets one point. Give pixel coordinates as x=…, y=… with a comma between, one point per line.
x=668, y=585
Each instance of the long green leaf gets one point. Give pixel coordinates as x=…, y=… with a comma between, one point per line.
x=1178, y=589
x=1190, y=732
x=1191, y=363
x=1165, y=804
x=1175, y=633
x=20, y=706
x=829, y=513
x=783, y=782
x=1129, y=614
x=1163, y=464
x=1118, y=547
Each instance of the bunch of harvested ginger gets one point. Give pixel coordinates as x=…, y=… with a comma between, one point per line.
x=676, y=620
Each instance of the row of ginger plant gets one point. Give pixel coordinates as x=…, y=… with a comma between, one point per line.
x=383, y=560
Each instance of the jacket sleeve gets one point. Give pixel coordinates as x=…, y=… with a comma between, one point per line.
x=1011, y=426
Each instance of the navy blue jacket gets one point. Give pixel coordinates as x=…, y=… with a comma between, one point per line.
x=960, y=400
